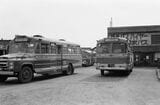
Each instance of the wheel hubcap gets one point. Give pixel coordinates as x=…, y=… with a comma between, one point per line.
x=26, y=74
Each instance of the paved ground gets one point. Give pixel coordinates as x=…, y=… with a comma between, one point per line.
x=85, y=87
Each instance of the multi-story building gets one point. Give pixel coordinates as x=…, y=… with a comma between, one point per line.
x=145, y=41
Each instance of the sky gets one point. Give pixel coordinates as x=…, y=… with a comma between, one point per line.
x=79, y=21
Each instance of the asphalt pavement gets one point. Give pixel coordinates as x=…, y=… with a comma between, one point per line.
x=85, y=87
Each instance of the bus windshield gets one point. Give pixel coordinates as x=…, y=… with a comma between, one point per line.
x=103, y=48
x=21, y=47
x=119, y=47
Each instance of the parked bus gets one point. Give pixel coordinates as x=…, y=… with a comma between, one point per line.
x=88, y=57
x=114, y=54
x=29, y=55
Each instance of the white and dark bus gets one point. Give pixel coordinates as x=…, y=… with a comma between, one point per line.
x=29, y=55
x=114, y=54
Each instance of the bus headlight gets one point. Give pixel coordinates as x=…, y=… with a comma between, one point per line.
x=11, y=65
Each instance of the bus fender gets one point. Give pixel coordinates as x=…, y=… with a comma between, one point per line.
x=30, y=64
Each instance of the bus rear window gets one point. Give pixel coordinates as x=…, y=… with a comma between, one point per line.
x=103, y=48
x=119, y=48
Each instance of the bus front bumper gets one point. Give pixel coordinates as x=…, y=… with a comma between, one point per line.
x=6, y=72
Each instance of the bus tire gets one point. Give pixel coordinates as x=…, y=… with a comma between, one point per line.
x=131, y=70
x=70, y=70
x=102, y=72
x=25, y=75
x=3, y=78
x=128, y=72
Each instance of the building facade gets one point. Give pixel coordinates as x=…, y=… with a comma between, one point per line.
x=145, y=42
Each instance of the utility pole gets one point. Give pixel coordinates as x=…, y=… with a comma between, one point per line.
x=111, y=23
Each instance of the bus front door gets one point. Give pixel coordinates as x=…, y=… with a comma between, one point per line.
x=59, y=58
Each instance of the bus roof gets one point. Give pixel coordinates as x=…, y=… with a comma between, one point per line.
x=47, y=40
x=112, y=40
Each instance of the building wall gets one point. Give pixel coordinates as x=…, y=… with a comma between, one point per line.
x=136, y=39
x=155, y=39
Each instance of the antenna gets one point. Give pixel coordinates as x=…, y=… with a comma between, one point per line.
x=111, y=23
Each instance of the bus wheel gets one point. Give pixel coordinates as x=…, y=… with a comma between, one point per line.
x=70, y=70
x=128, y=72
x=102, y=72
x=3, y=78
x=25, y=75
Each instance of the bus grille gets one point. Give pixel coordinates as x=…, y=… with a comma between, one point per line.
x=3, y=64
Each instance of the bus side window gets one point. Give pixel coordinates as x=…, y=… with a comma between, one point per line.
x=74, y=50
x=69, y=50
x=65, y=50
x=44, y=48
x=37, y=50
x=53, y=49
x=78, y=50
x=59, y=49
